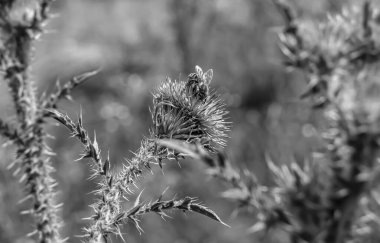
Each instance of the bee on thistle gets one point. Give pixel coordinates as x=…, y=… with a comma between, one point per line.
x=198, y=83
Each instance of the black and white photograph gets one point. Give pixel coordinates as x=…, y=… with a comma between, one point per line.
x=189, y=121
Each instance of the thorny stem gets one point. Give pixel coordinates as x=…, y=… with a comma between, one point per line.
x=222, y=169
x=9, y=132
x=65, y=90
x=17, y=36
x=113, y=187
x=108, y=206
x=159, y=206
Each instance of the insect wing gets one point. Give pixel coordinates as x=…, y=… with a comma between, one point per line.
x=199, y=71
x=207, y=77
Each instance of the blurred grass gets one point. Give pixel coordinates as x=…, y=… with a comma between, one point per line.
x=136, y=44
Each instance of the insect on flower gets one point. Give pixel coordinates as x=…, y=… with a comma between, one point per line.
x=198, y=83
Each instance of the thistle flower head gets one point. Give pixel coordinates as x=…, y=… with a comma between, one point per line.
x=188, y=111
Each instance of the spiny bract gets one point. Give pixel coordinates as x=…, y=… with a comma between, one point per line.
x=179, y=113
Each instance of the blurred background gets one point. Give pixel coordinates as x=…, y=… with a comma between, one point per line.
x=136, y=44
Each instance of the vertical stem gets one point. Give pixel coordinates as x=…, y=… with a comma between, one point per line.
x=20, y=24
x=364, y=151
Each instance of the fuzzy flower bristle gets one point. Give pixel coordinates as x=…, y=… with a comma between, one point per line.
x=180, y=113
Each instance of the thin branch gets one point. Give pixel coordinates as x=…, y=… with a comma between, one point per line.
x=65, y=90
x=185, y=204
x=243, y=188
